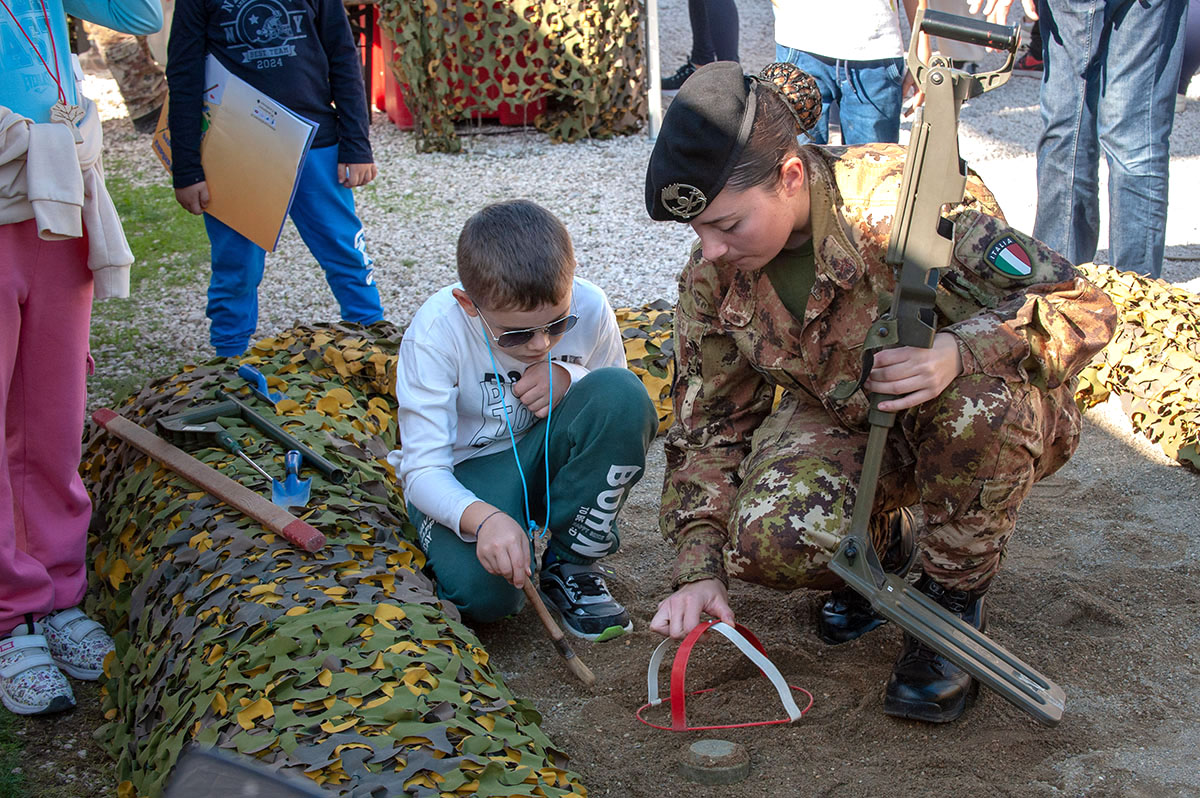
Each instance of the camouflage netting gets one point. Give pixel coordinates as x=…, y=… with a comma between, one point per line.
x=340, y=665
x=585, y=57
x=1153, y=363
x=650, y=352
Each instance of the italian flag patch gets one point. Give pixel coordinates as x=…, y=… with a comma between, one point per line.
x=1007, y=256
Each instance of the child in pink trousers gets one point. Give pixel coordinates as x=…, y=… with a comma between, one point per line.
x=60, y=244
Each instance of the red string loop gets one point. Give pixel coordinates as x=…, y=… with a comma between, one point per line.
x=749, y=645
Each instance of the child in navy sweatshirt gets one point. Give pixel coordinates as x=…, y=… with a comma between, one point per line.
x=300, y=53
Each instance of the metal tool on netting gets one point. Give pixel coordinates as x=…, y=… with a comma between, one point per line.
x=922, y=244
x=212, y=481
x=258, y=384
x=293, y=490
x=200, y=427
x=194, y=421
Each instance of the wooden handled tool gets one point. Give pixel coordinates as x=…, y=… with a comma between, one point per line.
x=216, y=484
x=574, y=663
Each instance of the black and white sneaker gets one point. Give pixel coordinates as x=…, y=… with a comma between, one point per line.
x=582, y=599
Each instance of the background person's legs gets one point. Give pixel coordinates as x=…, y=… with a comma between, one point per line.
x=1191, y=47
x=325, y=217
x=45, y=304
x=869, y=109
x=237, y=269
x=824, y=72
x=1068, y=152
x=1137, y=110
x=714, y=31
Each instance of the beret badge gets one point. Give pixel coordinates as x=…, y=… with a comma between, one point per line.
x=683, y=200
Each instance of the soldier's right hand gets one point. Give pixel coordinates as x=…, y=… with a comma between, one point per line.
x=680, y=612
x=194, y=198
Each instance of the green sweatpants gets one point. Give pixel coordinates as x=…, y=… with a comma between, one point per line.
x=599, y=434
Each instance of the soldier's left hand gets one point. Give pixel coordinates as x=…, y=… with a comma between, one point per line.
x=533, y=389
x=353, y=175
x=914, y=375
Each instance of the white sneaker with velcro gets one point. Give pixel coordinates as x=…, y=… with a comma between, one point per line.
x=30, y=681
x=77, y=643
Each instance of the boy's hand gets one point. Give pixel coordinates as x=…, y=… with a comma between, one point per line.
x=194, y=198
x=914, y=375
x=533, y=389
x=503, y=549
x=353, y=175
x=679, y=612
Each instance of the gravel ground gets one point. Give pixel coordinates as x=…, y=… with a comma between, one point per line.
x=413, y=212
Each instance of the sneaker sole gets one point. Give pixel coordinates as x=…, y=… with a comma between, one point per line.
x=75, y=672
x=60, y=703
x=599, y=637
x=611, y=632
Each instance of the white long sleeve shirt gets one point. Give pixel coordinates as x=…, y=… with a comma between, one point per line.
x=451, y=399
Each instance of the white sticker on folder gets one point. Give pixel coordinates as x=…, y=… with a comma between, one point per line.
x=214, y=93
x=265, y=113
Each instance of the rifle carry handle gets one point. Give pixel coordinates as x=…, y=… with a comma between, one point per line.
x=970, y=30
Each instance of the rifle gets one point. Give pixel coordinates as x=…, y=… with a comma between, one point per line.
x=921, y=245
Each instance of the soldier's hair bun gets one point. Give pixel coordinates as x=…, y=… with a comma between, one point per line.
x=798, y=89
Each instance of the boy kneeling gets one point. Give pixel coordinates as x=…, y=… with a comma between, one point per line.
x=517, y=413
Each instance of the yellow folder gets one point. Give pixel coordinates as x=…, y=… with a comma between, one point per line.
x=252, y=151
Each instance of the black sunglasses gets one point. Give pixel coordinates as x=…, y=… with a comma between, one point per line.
x=517, y=337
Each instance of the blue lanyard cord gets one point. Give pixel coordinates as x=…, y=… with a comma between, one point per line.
x=512, y=437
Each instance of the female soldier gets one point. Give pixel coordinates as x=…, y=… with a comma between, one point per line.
x=780, y=290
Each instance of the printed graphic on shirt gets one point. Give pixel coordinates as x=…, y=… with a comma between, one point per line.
x=262, y=30
x=1007, y=256
x=17, y=54
x=499, y=403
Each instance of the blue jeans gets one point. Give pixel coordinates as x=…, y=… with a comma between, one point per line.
x=867, y=94
x=323, y=211
x=1112, y=67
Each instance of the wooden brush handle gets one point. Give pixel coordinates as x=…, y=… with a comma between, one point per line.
x=574, y=663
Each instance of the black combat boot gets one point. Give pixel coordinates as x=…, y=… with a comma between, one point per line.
x=924, y=684
x=846, y=615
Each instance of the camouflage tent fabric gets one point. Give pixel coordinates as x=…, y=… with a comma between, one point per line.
x=1152, y=364
x=341, y=665
x=457, y=58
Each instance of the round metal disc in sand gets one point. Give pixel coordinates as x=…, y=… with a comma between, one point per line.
x=714, y=762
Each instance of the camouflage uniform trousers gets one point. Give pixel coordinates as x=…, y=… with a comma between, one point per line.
x=969, y=457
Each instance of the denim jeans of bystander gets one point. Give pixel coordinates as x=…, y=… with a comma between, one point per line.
x=1111, y=71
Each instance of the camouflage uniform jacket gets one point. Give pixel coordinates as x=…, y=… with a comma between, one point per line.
x=736, y=342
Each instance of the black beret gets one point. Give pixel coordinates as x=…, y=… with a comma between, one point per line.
x=702, y=136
